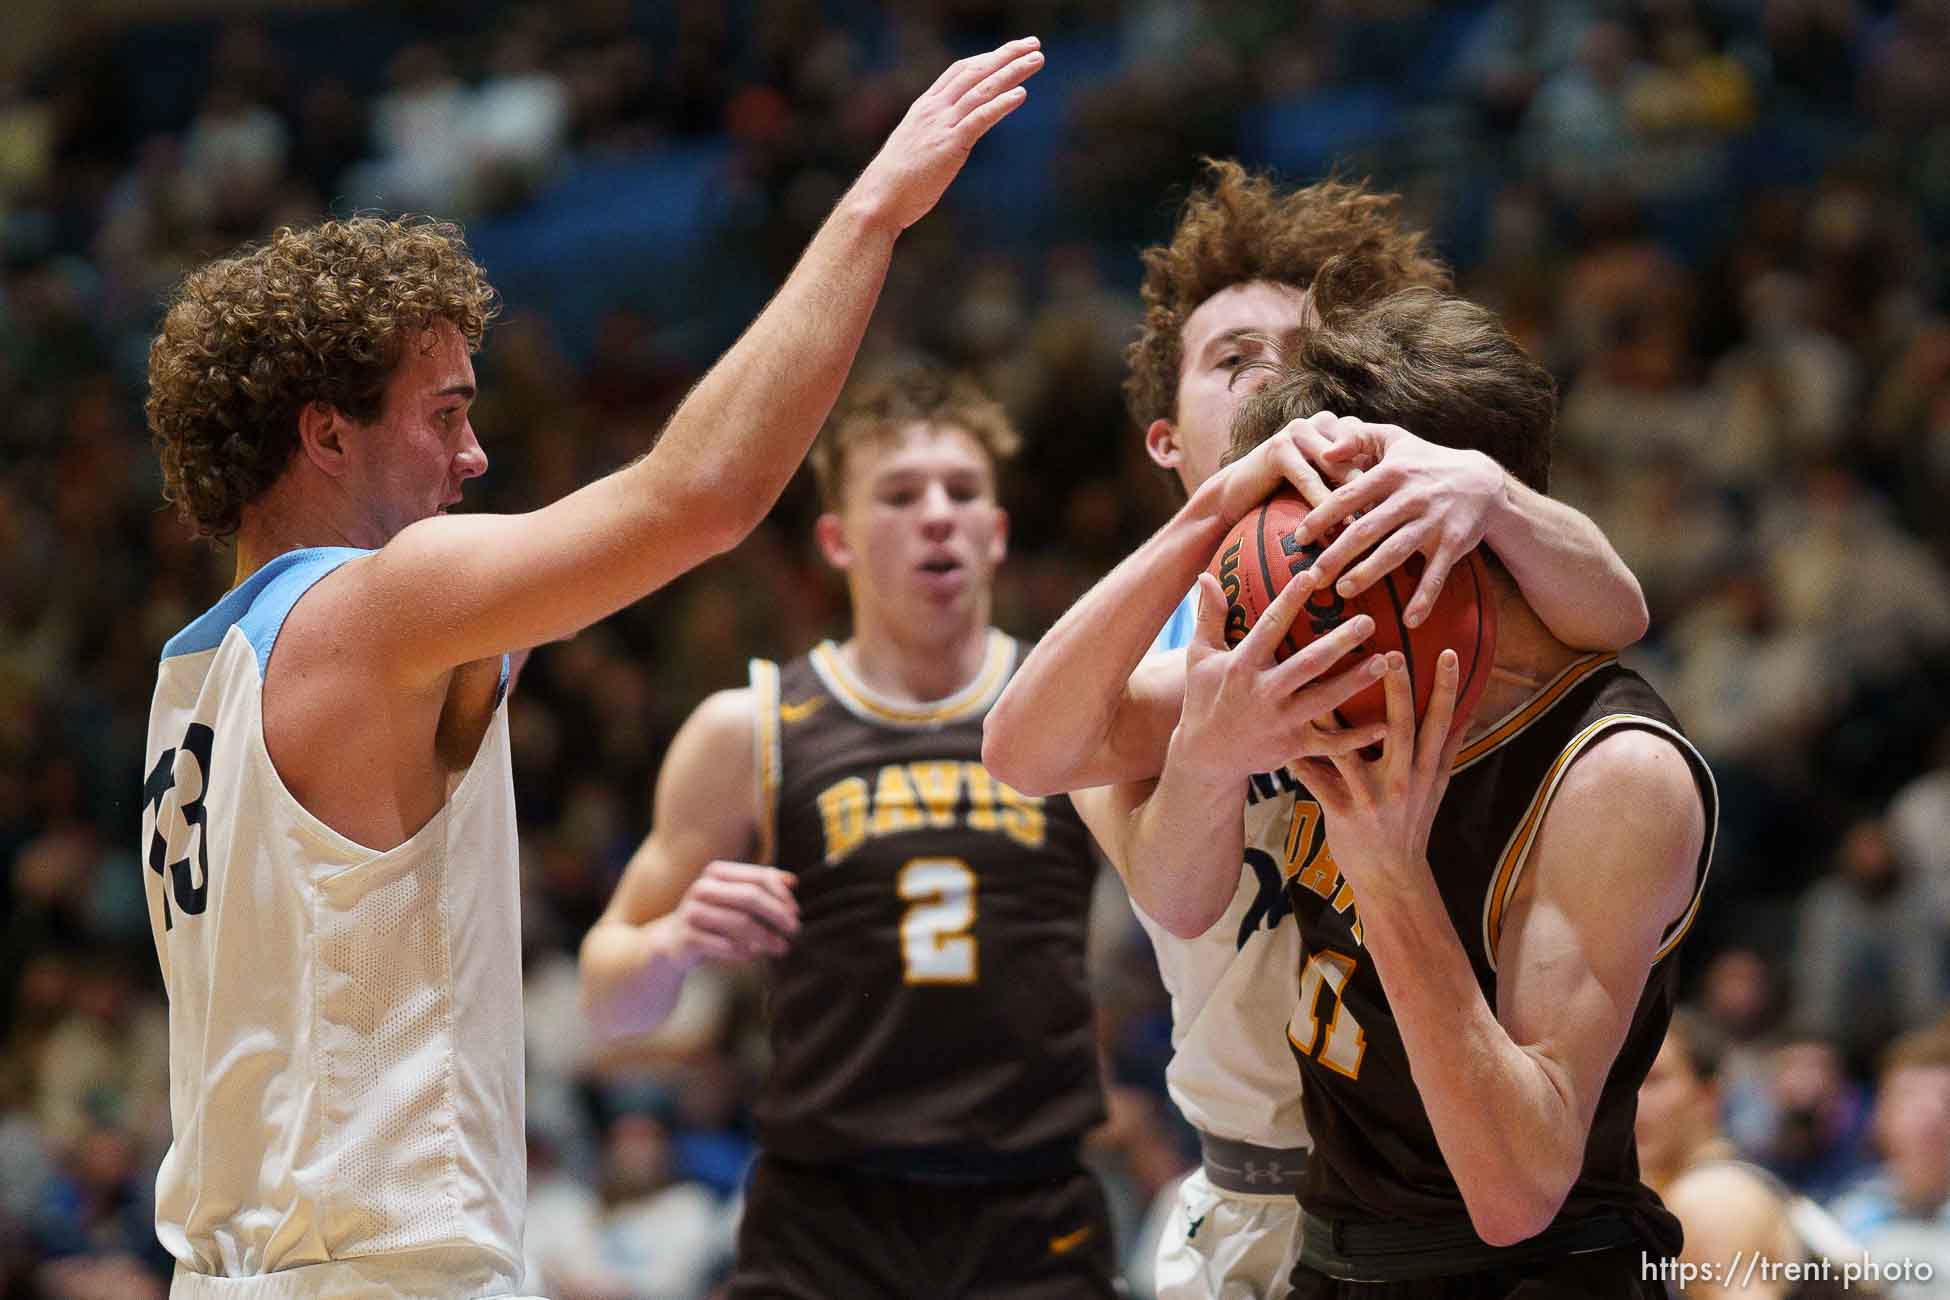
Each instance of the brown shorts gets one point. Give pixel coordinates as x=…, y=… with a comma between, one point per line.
x=1596, y=1275
x=824, y=1232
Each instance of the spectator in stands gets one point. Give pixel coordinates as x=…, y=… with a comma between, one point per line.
x=1901, y=1210
x=1869, y=953
x=1730, y=1209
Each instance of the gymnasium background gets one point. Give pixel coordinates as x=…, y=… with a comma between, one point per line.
x=1718, y=221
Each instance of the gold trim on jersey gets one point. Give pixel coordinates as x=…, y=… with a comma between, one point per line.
x=767, y=709
x=864, y=702
x=1516, y=853
x=1513, y=723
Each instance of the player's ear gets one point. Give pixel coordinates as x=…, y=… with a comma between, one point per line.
x=1161, y=444
x=322, y=431
x=999, y=543
x=830, y=534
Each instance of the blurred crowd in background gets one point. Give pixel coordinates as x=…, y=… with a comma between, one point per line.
x=1719, y=222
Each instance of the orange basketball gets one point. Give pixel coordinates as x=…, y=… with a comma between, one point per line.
x=1260, y=555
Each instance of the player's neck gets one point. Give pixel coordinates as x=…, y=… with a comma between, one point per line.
x=287, y=516
x=910, y=669
x=1527, y=658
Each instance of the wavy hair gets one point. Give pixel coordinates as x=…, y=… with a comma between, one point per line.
x=1239, y=227
x=1440, y=366
x=312, y=315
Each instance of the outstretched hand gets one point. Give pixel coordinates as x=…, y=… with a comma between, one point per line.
x=1410, y=496
x=1244, y=712
x=926, y=151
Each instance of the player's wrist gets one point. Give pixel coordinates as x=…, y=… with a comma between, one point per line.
x=1211, y=505
x=871, y=207
x=669, y=943
x=1199, y=762
x=1506, y=507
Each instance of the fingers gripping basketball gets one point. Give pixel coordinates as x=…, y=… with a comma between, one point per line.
x=1261, y=555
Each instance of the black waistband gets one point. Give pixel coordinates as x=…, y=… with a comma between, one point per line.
x=1405, y=1252
x=958, y=1165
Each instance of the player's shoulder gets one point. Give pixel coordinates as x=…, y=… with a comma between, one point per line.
x=1631, y=759
x=1642, y=782
x=724, y=715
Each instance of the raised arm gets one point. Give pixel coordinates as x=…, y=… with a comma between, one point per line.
x=1417, y=496
x=448, y=591
x=1511, y=1090
x=684, y=897
x=1086, y=708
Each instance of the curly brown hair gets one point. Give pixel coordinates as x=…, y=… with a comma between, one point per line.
x=877, y=408
x=313, y=315
x=1240, y=227
x=1441, y=366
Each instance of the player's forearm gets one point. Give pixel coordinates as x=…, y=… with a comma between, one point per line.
x=1507, y=1129
x=739, y=436
x=1186, y=845
x=1051, y=730
x=452, y=590
x=630, y=978
x=1567, y=571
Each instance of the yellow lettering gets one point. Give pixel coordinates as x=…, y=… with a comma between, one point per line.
x=1320, y=872
x=1343, y=899
x=1023, y=819
x=843, y=815
x=1300, y=833
x=940, y=787
x=894, y=806
x=981, y=798
x=1320, y=875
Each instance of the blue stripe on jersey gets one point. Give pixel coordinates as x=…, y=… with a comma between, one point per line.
x=259, y=606
x=1177, y=631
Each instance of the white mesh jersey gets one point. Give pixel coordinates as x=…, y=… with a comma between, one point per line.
x=345, y=1024
x=1233, y=988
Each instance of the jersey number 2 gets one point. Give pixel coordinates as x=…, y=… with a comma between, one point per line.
x=936, y=946
x=160, y=792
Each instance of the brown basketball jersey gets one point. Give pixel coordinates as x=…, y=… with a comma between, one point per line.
x=936, y=995
x=1375, y=1154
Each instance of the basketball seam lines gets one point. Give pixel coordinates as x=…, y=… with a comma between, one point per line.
x=1402, y=628
x=1265, y=570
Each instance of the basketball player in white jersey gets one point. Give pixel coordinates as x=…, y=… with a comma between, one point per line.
x=1097, y=703
x=328, y=808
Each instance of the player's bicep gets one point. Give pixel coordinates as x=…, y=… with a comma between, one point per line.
x=452, y=589
x=1614, y=866
x=705, y=809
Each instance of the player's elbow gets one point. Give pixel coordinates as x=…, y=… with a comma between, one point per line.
x=1515, y=1209
x=1189, y=925
x=1635, y=618
x=1183, y=917
x=1010, y=754
x=722, y=515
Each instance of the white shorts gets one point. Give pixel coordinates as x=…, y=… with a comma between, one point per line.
x=1219, y=1245
x=418, y=1275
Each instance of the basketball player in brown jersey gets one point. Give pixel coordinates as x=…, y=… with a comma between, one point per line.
x=934, y=1066
x=1490, y=915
